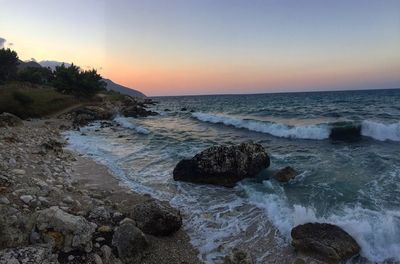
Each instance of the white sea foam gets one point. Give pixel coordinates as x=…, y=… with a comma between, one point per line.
x=129, y=122
x=378, y=233
x=381, y=131
x=279, y=130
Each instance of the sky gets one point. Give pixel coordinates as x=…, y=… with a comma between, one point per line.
x=179, y=47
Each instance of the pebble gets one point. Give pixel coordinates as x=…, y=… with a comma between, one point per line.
x=18, y=171
x=104, y=229
x=100, y=239
x=26, y=198
x=4, y=200
x=68, y=200
x=97, y=259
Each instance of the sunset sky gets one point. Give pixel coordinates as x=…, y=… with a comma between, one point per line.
x=175, y=47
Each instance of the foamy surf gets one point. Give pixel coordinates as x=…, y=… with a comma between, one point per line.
x=129, y=122
x=378, y=233
x=318, y=132
x=380, y=131
x=341, y=130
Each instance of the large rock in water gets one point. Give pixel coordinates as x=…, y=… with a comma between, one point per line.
x=238, y=257
x=129, y=241
x=223, y=165
x=157, y=218
x=326, y=241
x=7, y=119
x=286, y=174
x=64, y=230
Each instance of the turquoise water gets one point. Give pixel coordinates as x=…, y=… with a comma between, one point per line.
x=345, y=144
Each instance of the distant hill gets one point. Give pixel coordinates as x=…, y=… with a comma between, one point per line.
x=53, y=64
x=26, y=64
x=122, y=89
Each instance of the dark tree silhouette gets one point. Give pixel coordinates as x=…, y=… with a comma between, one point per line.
x=8, y=64
x=36, y=75
x=71, y=80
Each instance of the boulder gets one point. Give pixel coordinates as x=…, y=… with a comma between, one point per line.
x=157, y=218
x=65, y=230
x=129, y=241
x=15, y=227
x=325, y=241
x=238, y=257
x=7, y=119
x=100, y=214
x=286, y=174
x=28, y=255
x=223, y=165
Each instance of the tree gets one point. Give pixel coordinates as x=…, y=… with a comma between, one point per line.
x=71, y=80
x=8, y=64
x=36, y=75
x=91, y=83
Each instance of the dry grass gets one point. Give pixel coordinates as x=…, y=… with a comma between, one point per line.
x=37, y=101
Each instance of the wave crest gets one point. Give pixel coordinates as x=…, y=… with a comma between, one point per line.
x=381, y=131
x=128, y=122
x=279, y=130
x=347, y=131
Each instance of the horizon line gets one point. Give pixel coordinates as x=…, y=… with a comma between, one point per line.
x=307, y=91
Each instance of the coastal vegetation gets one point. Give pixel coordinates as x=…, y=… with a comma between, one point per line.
x=35, y=91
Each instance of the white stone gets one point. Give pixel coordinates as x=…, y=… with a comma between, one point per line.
x=26, y=198
x=4, y=200
x=18, y=171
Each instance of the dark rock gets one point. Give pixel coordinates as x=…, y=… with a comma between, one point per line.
x=136, y=111
x=84, y=115
x=238, y=257
x=7, y=119
x=223, y=165
x=157, y=218
x=183, y=109
x=129, y=241
x=15, y=228
x=52, y=145
x=325, y=241
x=286, y=174
x=100, y=215
x=28, y=255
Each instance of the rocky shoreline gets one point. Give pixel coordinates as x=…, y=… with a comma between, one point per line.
x=58, y=207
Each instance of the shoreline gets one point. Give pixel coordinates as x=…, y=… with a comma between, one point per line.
x=38, y=173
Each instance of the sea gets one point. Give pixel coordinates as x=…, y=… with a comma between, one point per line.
x=344, y=144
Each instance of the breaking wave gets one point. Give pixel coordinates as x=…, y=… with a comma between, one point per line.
x=347, y=131
x=376, y=232
x=128, y=122
x=381, y=131
x=279, y=130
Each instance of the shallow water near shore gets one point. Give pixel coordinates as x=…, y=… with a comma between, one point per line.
x=345, y=144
